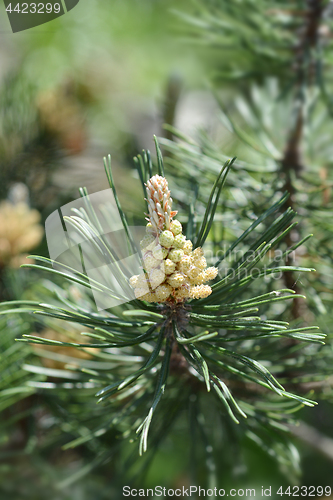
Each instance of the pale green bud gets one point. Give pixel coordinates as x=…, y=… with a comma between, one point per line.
x=148, y=242
x=163, y=292
x=134, y=281
x=188, y=247
x=175, y=255
x=150, y=262
x=179, y=241
x=160, y=253
x=156, y=277
x=176, y=227
x=185, y=264
x=166, y=239
x=176, y=280
x=169, y=266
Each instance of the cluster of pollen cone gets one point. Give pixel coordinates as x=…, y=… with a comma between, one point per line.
x=172, y=271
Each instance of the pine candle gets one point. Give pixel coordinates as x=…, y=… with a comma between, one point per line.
x=172, y=271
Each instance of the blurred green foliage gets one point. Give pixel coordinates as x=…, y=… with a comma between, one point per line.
x=111, y=63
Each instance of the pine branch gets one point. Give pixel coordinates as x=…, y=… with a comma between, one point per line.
x=292, y=162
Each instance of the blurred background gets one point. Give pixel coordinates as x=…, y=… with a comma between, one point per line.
x=231, y=78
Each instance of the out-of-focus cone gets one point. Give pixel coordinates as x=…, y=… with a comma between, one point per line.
x=69, y=352
x=62, y=117
x=20, y=231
